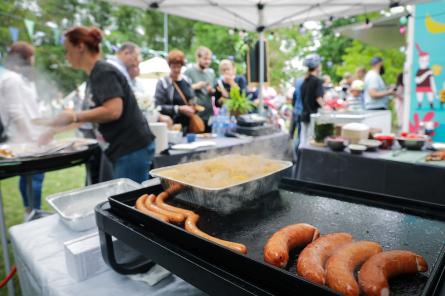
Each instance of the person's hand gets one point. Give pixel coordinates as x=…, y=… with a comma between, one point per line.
x=229, y=79
x=46, y=137
x=65, y=118
x=391, y=92
x=186, y=110
x=223, y=91
x=200, y=84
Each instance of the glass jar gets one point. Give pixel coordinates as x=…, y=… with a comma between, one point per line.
x=323, y=126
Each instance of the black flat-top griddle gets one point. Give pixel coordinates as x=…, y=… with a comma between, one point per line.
x=394, y=223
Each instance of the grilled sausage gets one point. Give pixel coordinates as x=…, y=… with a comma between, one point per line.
x=341, y=265
x=312, y=259
x=276, y=250
x=376, y=271
x=172, y=216
x=140, y=205
x=174, y=189
x=160, y=202
x=190, y=226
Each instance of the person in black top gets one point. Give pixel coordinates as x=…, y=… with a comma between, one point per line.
x=227, y=80
x=174, y=94
x=120, y=128
x=312, y=93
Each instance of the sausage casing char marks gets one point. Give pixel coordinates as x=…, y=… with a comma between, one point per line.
x=276, y=250
x=341, y=265
x=140, y=205
x=311, y=261
x=376, y=271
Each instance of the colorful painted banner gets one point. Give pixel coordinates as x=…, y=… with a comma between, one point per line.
x=427, y=106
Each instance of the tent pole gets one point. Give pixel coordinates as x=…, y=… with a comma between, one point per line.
x=261, y=76
x=260, y=30
x=408, y=72
x=165, y=33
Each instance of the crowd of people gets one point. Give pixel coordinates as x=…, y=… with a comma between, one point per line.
x=110, y=114
x=366, y=90
x=108, y=111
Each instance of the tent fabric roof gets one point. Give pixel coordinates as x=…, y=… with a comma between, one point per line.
x=384, y=32
x=245, y=14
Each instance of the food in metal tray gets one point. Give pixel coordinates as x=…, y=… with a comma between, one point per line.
x=276, y=250
x=149, y=205
x=341, y=265
x=222, y=171
x=376, y=271
x=311, y=261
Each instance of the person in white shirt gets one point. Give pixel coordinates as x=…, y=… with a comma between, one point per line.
x=128, y=55
x=377, y=95
x=18, y=101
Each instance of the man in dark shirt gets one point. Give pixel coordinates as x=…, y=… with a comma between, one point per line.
x=312, y=93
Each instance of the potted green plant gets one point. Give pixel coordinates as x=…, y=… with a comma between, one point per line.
x=239, y=102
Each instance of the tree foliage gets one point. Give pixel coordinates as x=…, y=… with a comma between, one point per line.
x=146, y=28
x=360, y=55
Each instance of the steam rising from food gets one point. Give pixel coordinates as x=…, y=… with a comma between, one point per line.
x=223, y=171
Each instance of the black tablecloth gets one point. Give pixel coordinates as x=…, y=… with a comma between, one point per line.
x=368, y=172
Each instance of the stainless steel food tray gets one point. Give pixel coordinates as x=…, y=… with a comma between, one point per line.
x=224, y=199
x=76, y=207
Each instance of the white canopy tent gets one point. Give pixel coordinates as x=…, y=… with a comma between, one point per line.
x=258, y=15
x=383, y=33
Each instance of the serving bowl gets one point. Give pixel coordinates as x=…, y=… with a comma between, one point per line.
x=371, y=145
x=413, y=143
x=386, y=139
x=356, y=149
x=336, y=143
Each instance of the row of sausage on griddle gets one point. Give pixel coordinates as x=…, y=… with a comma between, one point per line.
x=326, y=260
x=155, y=206
x=332, y=259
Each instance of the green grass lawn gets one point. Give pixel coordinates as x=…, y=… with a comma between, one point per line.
x=55, y=182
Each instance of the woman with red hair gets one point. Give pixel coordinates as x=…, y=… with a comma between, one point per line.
x=120, y=127
x=18, y=101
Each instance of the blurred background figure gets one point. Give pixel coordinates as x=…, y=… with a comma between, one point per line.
x=312, y=93
x=376, y=94
x=399, y=97
x=127, y=56
x=228, y=79
x=355, y=96
x=119, y=126
x=202, y=78
x=360, y=73
x=174, y=93
x=18, y=99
